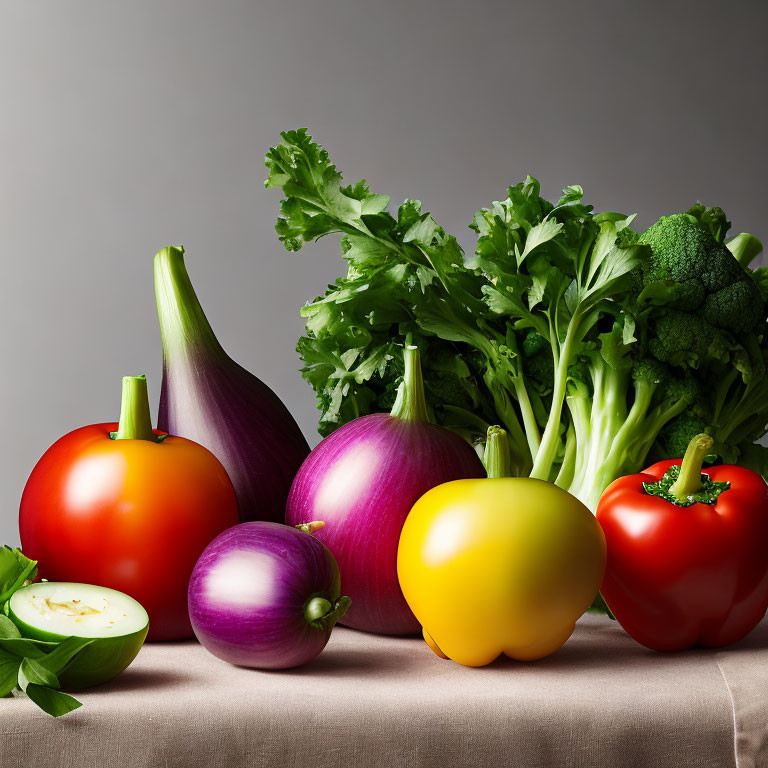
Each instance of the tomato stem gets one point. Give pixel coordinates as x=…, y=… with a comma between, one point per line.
x=497, y=459
x=135, y=421
x=689, y=479
x=411, y=403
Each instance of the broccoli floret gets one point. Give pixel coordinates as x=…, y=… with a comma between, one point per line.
x=679, y=432
x=737, y=307
x=539, y=365
x=446, y=388
x=627, y=237
x=711, y=282
x=541, y=369
x=681, y=338
x=533, y=343
x=649, y=371
x=684, y=388
x=682, y=250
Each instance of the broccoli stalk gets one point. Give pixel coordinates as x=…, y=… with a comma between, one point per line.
x=612, y=438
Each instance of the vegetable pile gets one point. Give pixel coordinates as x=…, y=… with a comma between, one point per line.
x=593, y=345
x=562, y=355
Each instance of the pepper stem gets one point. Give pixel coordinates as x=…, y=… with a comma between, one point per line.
x=316, y=608
x=135, y=421
x=411, y=403
x=497, y=460
x=689, y=480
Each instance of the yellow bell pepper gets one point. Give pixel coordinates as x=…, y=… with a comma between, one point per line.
x=499, y=565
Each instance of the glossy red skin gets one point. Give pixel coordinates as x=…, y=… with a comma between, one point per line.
x=132, y=515
x=679, y=577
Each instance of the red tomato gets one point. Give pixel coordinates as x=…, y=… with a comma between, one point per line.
x=130, y=514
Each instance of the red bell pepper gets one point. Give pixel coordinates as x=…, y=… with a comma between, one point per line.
x=687, y=552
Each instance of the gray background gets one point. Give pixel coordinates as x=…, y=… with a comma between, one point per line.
x=125, y=127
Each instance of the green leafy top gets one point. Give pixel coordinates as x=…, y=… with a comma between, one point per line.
x=541, y=330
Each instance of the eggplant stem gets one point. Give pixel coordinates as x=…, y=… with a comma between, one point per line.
x=323, y=613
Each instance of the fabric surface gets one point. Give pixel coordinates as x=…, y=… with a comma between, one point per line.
x=602, y=700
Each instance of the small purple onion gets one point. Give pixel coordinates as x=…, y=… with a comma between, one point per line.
x=265, y=595
x=362, y=481
x=207, y=397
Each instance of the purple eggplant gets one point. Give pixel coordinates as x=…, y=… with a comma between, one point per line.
x=265, y=595
x=207, y=397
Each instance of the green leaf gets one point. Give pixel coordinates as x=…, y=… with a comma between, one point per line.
x=504, y=302
x=24, y=648
x=659, y=293
x=362, y=251
x=57, y=660
x=571, y=194
x=374, y=204
x=538, y=235
x=316, y=203
x=9, y=673
x=445, y=320
x=617, y=264
x=15, y=569
x=32, y=671
x=8, y=628
x=628, y=334
x=52, y=702
x=421, y=231
x=760, y=276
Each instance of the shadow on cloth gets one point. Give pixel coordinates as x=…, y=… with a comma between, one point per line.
x=348, y=662
x=138, y=679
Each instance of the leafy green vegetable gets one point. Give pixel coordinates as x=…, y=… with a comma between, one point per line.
x=582, y=337
x=31, y=666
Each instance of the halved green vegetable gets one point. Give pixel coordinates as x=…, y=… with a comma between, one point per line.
x=53, y=611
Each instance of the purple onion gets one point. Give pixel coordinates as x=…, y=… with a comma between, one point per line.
x=207, y=397
x=362, y=481
x=265, y=595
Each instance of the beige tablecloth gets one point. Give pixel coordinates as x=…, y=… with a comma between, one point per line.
x=371, y=701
